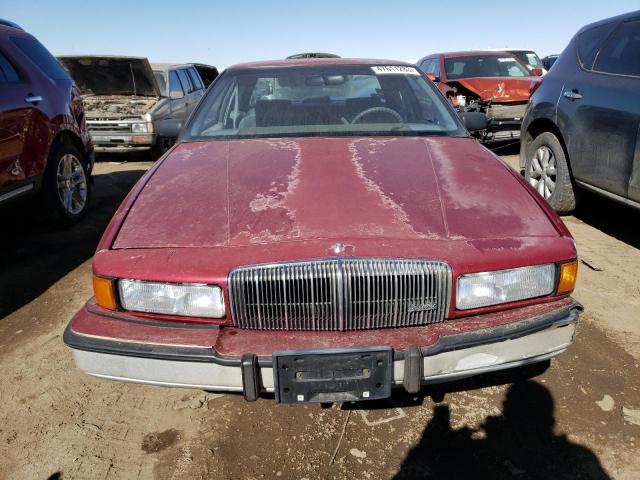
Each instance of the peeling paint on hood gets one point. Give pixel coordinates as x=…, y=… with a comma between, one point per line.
x=259, y=191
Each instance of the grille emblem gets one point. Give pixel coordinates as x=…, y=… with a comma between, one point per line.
x=421, y=306
x=338, y=248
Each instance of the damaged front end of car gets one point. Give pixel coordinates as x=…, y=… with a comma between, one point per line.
x=504, y=105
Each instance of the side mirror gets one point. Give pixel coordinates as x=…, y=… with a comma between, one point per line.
x=536, y=72
x=432, y=76
x=169, y=128
x=173, y=95
x=474, y=121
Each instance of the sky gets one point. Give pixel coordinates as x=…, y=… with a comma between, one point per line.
x=223, y=33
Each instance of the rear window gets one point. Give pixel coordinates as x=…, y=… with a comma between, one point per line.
x=590, y=41
x=41, y=57
x=8, y=74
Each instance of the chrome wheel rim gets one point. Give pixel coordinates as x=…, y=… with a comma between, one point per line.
x=543, y=171
x=72, y=184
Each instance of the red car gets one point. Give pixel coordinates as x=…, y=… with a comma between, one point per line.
x=326, y=229
x=494, y=83
x=45, y=147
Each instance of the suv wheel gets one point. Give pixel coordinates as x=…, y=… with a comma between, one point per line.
x=547, y=171
x=66, y=183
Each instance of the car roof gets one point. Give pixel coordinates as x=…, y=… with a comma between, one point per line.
x=509, y=50
x=8, y=23
x=307, y=62
x=169, y=66
x=469, y=53
x=618, y=18
x=102, y=56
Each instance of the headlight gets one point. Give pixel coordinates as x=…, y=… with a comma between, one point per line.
x=492, y=288
x=172, y=299
x=139, y=127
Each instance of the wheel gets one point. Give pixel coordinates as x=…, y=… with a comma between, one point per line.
x=66, y=183
x=162, y=145
x=547, y=170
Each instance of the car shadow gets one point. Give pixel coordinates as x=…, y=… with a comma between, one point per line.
x=437, y=392
x=36, y=251
x=518, y=443
x=613, y=218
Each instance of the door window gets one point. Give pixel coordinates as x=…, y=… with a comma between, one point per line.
x=184, y=79
x=8, y=74
x=174, y=84
x=590, y=41
x=621, y=54
x=425, y=66
x=195, y=79
x=41, y=57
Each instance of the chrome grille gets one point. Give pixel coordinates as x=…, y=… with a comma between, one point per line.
x=340, y=294
x=109, y=126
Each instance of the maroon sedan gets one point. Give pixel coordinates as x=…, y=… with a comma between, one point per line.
x=45, y=147
x=326, y=229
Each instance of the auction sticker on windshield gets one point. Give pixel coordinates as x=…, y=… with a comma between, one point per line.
x=397, y=69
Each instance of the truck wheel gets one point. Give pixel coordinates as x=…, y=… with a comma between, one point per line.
x=66, y=185
x=547, y=171
x=162, y=145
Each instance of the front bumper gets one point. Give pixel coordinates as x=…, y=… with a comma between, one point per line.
x=453, y=356
x=118, y=142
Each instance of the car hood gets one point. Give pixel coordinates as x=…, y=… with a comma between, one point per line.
x=110, y=75
x=242, y=192
x=500, y=89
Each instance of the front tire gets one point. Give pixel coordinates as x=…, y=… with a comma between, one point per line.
x=66, y=184
x=547, y=171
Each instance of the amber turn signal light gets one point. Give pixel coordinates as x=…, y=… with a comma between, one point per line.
x=568, y=276
x=103, y=290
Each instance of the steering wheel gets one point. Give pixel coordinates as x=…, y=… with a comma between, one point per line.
x=383, y=110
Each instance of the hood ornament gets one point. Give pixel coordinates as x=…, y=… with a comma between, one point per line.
x=338, y=248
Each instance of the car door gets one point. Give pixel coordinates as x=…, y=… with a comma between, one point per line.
x=177, y=95
x=21, y=128
x=198, y=86
x=603, y=105
x=192, y=94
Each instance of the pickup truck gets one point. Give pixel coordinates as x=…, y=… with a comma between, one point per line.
x=132, y=106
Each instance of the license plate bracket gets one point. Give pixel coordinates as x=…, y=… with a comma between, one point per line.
x=333, y=375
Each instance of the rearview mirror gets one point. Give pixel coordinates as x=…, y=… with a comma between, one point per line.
x=474, y=121
x=536, y=72
x=169, y=128
x=432, y=76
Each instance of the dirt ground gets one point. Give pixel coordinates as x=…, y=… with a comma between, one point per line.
x=577, y=417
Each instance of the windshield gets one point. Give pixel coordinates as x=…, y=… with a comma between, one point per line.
x=162, y=84
x=322, y=101
x=484, y=66
x=528, y=58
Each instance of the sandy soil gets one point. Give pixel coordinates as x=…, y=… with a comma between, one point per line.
x=563, y=420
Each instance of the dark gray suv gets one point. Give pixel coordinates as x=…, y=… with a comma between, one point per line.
x=581, y=129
